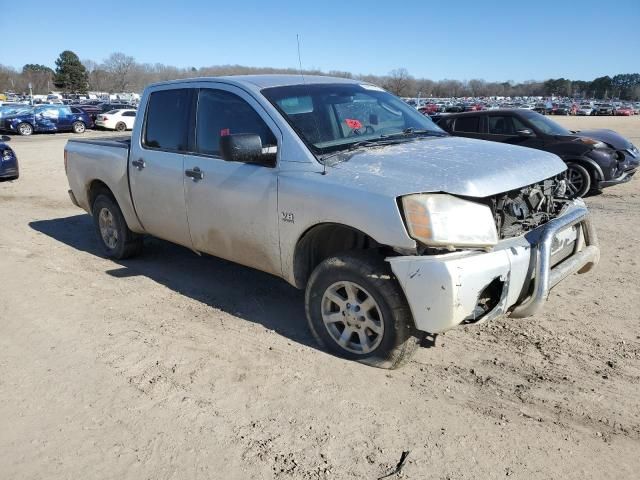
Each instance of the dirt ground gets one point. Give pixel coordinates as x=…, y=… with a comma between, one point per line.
x=173, y=366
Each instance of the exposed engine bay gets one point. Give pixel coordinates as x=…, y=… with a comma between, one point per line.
x=519, y=211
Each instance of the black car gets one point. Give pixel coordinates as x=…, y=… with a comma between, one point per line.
x=8, y=161
x=595, y=158
x=104, y=107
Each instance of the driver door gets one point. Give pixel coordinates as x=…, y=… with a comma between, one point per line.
x=232, y=207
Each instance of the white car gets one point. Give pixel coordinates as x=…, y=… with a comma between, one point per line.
x=585, y=110
x=119, y=120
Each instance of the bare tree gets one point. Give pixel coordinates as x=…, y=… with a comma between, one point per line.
x=119, y=66
x=399, y=82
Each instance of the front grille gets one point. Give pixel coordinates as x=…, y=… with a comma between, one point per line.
x=519, y=211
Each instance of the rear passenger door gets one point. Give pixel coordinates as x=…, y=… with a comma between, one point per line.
x=156, y=164
x=232, y=206
x=468, y=126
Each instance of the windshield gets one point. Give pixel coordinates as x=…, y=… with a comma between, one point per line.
x=332, y=117
x=545, y=125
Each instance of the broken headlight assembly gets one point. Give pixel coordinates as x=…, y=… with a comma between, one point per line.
x=445, y=221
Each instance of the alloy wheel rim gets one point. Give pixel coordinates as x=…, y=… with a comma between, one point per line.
x=575, y=182
x=108, y=230
x=25, y=129
x=352, y=317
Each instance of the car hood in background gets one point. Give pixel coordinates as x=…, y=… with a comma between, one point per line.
x=610, y=137
x=456, y=165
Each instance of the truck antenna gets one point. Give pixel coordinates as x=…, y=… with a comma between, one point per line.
x=315, y=119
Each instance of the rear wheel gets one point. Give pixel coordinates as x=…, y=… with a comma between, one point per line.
x=357, y=310
x=578, y=180
x=114, y=235
x=25, y=129
x=120, y=127
x=78, y=127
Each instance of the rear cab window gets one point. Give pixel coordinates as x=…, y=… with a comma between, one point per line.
x=167, y=122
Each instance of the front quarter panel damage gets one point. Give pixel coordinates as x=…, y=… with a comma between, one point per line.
x=443, y=290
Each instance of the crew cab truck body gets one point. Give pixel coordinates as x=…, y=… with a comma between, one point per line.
x=393, y=227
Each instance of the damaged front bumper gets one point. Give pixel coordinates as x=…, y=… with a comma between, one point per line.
x=468, y=287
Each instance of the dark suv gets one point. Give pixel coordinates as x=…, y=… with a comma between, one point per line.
x=595, y=158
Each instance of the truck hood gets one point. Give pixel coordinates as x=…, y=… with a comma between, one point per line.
x=609, y=137
x=455, y=165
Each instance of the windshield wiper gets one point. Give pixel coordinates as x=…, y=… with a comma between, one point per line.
x=417, y=131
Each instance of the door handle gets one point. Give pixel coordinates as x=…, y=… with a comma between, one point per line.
x=195, y=174
x=139, y=164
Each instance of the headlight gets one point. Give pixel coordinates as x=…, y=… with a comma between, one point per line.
x=441, y=220
x=593, y=143
x=7, y=155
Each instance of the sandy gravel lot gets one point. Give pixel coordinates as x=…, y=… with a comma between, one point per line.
x=173, y=366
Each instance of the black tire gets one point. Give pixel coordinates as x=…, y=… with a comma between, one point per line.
x=373, y=276
x=25, y=129
x=578, y=180
x=121, y=127
x=120, y=242
x=78, y=127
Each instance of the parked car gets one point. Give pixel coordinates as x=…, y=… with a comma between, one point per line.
x=119, y=120
x=429, y=109
x=604, y=109
x=625, y=111
x=562, y=109
x=107, y=107
x=585, y=110
x=47, y=118
x=392, y=226
x=9, y=169
x=595, y=158
x=542, y=108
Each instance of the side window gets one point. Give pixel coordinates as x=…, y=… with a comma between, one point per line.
x=167, y=120
x=505, y=125
x=129, y=114
x=501, y=125
x=223, y=113
x=518, y=125
x=75, y=110
x=467, y=124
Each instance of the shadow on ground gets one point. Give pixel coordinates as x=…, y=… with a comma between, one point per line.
x=240, y=291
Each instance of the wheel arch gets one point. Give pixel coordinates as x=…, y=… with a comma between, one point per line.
x=591, y=166
x=324, y=240
x=95, y=188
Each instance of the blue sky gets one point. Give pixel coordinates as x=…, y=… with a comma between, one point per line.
x=493, y=40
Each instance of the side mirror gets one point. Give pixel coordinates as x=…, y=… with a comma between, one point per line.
x=5, y=138
x=525, y=132
x=242, y=147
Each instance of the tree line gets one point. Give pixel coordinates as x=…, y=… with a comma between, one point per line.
x=121, y=73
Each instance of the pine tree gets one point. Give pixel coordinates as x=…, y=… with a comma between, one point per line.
x=71, y=76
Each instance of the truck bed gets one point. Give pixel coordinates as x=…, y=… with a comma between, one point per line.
x=120, y=141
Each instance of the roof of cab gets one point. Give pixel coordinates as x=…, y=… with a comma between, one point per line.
x=263, y=81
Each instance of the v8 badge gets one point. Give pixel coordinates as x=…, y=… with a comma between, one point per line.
x=287, y=217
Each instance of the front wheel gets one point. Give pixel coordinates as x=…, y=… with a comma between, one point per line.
x=357, y=310
x=78, y=127
x=114, y=235
x=578, y=180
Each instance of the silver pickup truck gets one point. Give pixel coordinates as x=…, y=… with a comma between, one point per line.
x=394, y=228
